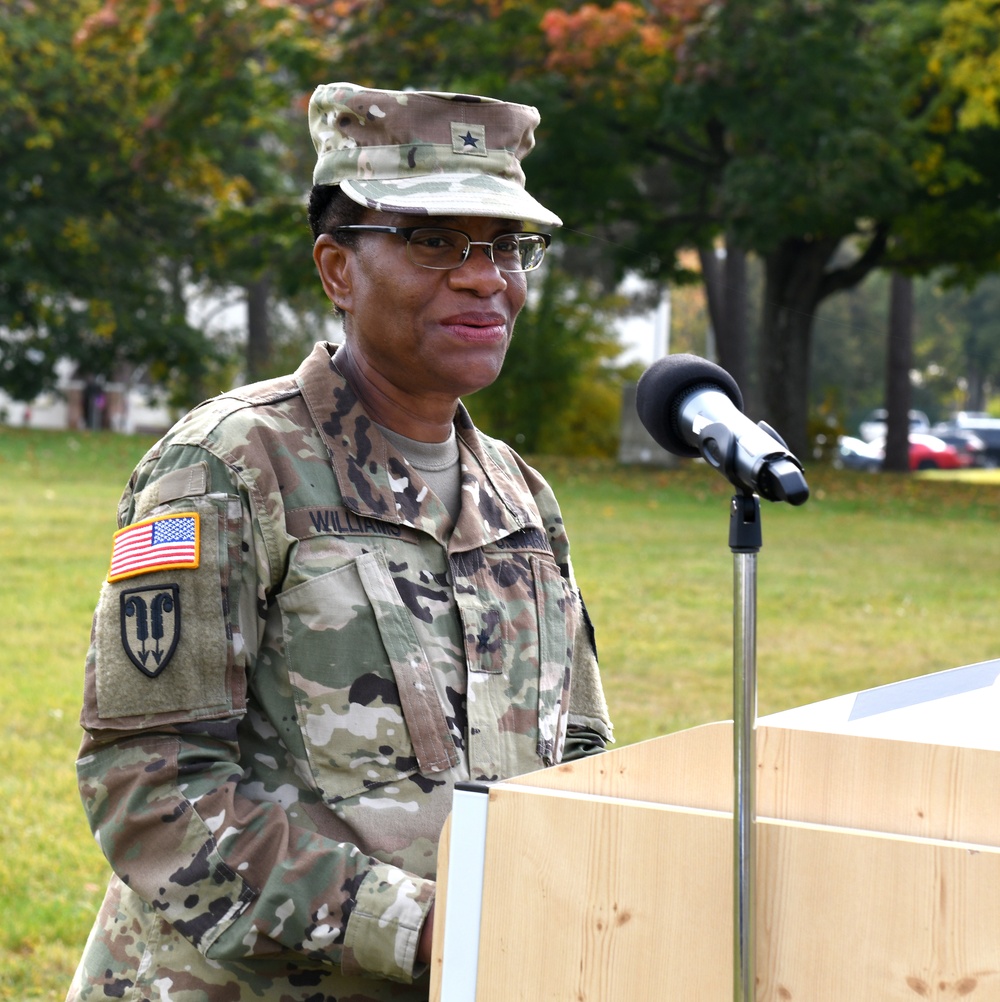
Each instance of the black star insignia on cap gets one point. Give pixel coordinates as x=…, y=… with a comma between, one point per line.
x=469, y=139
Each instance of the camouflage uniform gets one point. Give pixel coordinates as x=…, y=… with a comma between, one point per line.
x=276, y=716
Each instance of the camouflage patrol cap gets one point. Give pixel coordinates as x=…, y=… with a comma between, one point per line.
x=425, y=152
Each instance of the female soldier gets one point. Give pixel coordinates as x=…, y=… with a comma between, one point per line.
x=331, y=598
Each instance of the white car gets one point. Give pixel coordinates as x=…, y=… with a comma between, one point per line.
x=856, y=454
x=873, y=426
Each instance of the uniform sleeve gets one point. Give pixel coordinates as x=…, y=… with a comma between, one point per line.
x=589, y=729
x=159, y=769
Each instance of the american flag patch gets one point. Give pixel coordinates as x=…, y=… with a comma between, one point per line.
x=165, y=543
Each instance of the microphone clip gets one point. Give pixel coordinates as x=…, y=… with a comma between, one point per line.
x=779, y=477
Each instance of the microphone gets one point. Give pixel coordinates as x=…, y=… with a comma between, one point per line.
x=693, y=407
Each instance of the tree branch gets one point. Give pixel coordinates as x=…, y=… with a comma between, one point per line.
x=847, y=278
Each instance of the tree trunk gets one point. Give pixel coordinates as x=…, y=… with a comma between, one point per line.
x=794, y=287
x=975, y=393
x=897, y=374
x=726, y=292
x=258, y=329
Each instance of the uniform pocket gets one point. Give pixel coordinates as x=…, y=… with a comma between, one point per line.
x=367, y=710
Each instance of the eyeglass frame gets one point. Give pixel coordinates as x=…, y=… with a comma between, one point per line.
x=406, y=232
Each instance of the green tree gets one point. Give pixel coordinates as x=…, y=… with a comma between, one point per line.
x=850, y=345
x=788, y=127
x=953, y=222
x=957, y=347
x=822, y=138
x=967, y=54
x=145, y=157
x=73, y=254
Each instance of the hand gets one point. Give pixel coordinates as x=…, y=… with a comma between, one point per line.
x=426, y=939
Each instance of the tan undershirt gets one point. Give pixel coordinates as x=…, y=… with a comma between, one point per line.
x=437, y=463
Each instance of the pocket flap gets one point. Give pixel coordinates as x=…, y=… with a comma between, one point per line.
x=425, y=718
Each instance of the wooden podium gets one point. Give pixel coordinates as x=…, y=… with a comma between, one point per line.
x=610, y=879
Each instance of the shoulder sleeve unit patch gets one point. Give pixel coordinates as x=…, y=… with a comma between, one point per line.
x=167, y=542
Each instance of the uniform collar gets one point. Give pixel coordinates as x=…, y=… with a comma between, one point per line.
x=374, y=480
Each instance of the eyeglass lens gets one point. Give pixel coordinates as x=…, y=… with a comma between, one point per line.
x=445, y=249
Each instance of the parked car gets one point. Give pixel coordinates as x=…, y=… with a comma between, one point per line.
x=927, y=452
x=873, y=426
x=972, y=450
x=987, y=428
x=856, y=454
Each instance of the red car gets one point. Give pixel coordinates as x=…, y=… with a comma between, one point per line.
x=928, y=452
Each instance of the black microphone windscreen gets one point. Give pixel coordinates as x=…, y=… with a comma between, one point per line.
x=664, y=387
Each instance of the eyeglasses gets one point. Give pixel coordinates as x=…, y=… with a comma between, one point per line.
x=444, y=249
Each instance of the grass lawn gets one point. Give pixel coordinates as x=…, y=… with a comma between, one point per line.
x=876, y=578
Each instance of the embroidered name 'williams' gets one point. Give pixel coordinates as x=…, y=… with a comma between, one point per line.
x=344, y=522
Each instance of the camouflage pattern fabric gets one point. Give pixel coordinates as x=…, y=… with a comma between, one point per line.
x=298, y=657
x=425, y=152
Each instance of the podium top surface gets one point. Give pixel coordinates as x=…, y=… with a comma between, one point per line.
x=958, y=708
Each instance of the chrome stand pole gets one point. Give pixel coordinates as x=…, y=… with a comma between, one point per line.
x=745, y=542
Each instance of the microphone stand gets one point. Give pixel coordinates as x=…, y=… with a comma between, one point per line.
x=745, y=539
x=780, y=481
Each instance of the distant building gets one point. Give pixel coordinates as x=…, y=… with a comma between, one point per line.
x=95, y=403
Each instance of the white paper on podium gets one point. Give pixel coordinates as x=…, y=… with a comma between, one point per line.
x=959, y=707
